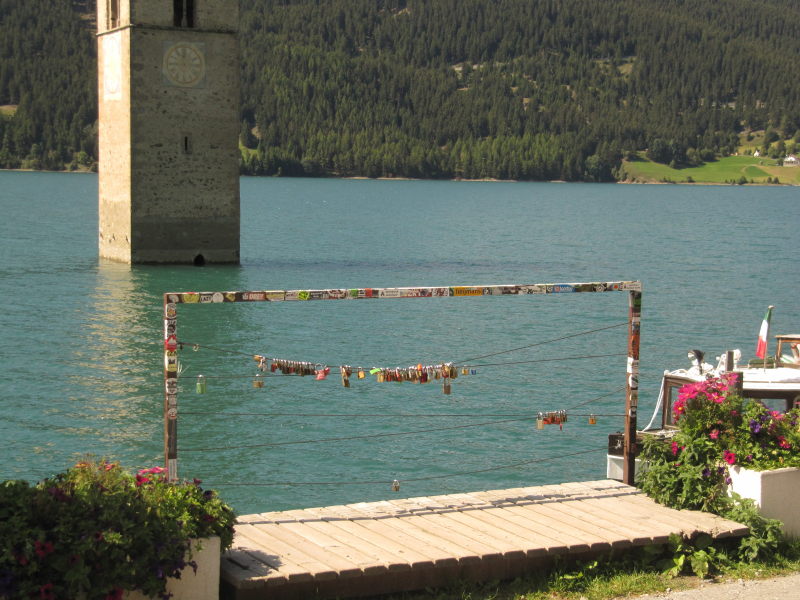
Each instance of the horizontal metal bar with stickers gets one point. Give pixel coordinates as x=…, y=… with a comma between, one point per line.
x=401, y=292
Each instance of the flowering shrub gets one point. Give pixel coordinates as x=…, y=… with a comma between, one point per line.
x=96, y=530
x=717, y=429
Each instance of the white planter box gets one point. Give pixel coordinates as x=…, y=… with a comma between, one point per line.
x=203, y=585
x=615, y=466
x=775, y=492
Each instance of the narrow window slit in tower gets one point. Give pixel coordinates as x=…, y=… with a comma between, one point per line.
x=183, y=13
x=113, y=13
x=177, y=12
x=187, y=145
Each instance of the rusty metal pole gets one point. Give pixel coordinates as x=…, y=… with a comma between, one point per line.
x=170, y=389
x=632, y=387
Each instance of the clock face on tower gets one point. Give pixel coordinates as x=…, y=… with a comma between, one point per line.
x=184, y=64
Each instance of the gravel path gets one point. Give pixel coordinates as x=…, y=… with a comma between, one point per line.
x=776, y=588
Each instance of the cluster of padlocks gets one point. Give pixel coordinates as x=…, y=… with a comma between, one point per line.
x=557, y=417
x=444, y=372
x=554, y=417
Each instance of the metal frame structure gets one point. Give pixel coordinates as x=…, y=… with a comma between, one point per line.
x=171, y=343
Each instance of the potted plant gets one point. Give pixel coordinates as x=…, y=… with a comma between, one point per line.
x=721, y=442
x=97, y=530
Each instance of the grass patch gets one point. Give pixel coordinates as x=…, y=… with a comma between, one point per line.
x=604, y=580
x=247, y=152
x=725, y=170
x=755, y=173
x=755, y=142
x=8, y=110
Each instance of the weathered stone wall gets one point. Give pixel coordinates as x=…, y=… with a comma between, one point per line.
x=169, y=155
x=219, y=15
x=114, y=144
x=104, y=12
x=185, y=146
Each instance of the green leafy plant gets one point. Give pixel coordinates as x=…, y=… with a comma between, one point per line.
x=699, y=555
x=96, y=530
x=717, y=429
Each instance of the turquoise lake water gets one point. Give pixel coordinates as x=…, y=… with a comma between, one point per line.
x=81, y=349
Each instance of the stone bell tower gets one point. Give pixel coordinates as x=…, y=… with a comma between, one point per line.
x=168, y=94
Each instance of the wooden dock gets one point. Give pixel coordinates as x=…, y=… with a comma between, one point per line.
x=384, y=547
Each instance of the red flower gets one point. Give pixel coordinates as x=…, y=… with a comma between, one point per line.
x=42, y=549
x=46, y=592
x=729, y=457
x=115, y=594
x=674, y=448
x=141, y=480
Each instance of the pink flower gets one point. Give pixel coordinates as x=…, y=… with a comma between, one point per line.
x=46, y=592
x=678, y=408
x=783, y=443
x=674, y=448
x=141, y=480
x=690, y=391
x=729, y=457
x=153, y=471
x=714, y=434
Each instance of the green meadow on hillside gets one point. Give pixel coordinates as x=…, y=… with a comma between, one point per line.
x=730, y=169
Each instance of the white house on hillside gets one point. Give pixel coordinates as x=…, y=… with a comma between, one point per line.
x=791, y=161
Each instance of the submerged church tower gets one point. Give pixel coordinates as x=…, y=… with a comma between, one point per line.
x=168, y=94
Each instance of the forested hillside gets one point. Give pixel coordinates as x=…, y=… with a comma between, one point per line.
x=519, y=89
x=48, y=89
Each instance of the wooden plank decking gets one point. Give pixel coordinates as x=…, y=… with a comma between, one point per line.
x=398, y=545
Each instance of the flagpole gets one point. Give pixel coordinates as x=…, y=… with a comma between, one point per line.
x=766, y=337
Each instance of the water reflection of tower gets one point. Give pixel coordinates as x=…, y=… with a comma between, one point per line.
x=122, y=352
x=119, y=354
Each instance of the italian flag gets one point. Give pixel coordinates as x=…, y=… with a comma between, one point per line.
x=761, y=345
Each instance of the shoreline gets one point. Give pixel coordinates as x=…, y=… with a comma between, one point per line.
x=459, y=179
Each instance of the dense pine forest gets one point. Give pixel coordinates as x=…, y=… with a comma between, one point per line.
x=507, y=89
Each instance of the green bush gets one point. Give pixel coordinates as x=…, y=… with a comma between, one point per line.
x=96, y=530
x=717, y=429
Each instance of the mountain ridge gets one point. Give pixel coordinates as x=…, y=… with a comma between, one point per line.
x=556, y=89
